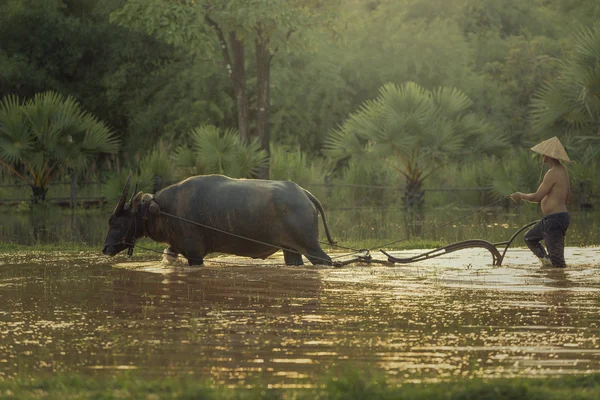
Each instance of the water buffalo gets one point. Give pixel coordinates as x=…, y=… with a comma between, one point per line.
x=273, y=214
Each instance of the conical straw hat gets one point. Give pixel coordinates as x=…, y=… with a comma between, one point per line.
x=552, y=148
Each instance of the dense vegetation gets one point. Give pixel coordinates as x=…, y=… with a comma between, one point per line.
x=290, y=78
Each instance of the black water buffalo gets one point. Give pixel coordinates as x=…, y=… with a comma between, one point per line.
x=226, y=211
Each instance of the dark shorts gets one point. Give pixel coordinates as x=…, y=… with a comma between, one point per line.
x=551, y=229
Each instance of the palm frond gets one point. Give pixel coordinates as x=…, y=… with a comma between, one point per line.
x=49, y=132
x=185, y=161
x=249, y=161
x=418, y=129
x=98, y=138
x=587, y=45
x=342, y=144
x=16, y=139
x=572, y=101
x=451, y=102
x=221, y=152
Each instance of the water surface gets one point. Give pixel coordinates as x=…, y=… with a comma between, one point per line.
x=238, y=320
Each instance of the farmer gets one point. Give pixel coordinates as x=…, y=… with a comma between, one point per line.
x=553, y=195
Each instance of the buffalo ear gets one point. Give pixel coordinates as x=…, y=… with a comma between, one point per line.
x=136, y=201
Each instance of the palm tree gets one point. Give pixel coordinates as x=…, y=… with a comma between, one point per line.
x=415, y=131
x=213, y=151
x=571, y=103
x=42, y=137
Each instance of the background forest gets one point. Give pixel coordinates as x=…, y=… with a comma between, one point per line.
x=412, y=94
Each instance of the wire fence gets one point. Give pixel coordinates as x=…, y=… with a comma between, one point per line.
x=69, y=194
x=333, y=196
x=355, y=213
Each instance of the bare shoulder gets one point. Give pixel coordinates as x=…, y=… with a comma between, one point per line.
x=552, y=175
x=565, y=170
x=557, y=174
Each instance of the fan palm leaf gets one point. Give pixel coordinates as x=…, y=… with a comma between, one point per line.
x=414, y=131
x=220, y=152
x=46, y=134
x=571, y=103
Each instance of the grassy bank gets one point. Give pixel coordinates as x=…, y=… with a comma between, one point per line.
x=354, y=385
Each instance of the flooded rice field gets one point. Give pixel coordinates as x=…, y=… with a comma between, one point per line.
x=237, y=323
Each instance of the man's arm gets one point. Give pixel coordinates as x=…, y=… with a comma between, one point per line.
x=542, y=191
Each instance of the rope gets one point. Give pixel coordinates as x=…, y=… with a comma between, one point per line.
x=239, y=236
x=354, y=251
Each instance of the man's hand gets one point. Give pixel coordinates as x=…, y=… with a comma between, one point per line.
x=516, y=197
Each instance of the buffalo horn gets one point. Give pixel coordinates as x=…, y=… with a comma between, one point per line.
x=123, y=197
x=133, y=195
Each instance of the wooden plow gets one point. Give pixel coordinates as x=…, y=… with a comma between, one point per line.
x=498, y=251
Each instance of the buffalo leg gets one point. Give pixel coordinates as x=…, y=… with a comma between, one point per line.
x=194, y=252
x=292, y=258
x=303, y=236
x=312, y=251
x=194, y=260
x=318, y=257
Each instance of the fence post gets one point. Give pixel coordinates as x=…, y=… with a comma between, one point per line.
x=73, y=199
x=327, y=182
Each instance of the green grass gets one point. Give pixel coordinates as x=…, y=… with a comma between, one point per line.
x=351, y=385
x=376, y=244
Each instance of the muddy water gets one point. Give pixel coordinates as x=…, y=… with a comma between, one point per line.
x=237, y=323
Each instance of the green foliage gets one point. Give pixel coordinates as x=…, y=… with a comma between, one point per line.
x=296, y=166
x=212, y=151
x=353, y=180
x=393, y=43
x=41, y=47
x=500, y=176
x=527, y=65
x=571, y=103
x=186, y=23
x=43, y=136
x=586, y=171
x=413, y=130
x=310, y=96
x=115, y=181
x=177, y=23
x=158, y=70
x=156, y=167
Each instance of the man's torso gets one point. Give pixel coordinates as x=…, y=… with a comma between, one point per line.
x=556, y=200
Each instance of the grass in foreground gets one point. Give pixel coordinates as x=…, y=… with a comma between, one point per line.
x=353, y=385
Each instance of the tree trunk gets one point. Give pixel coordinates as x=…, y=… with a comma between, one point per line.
x=263, y=98
x=73, y=199
x=234, y=64
x=238, y=78
x=38, y=194
x=413, y=202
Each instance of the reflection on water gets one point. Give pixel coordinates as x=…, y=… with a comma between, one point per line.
x=453, y=317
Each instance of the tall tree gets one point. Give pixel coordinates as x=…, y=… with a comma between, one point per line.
x=225, y=30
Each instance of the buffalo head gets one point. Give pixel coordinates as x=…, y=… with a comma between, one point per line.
x=124, y=222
